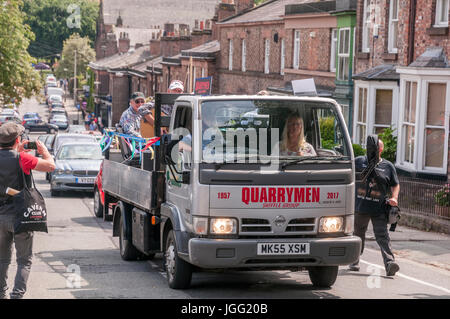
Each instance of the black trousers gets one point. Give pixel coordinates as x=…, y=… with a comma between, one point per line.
x=380, y=230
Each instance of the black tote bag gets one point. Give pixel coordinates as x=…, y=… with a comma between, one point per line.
x=29, y=205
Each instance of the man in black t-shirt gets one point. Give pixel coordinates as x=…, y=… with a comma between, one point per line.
x=377, y=186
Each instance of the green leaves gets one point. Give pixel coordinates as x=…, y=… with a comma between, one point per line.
x=85, y=54
x=18, y=78
x=52, y=22
x=390, y=144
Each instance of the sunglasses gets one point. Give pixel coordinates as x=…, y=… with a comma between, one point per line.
x=139, y=101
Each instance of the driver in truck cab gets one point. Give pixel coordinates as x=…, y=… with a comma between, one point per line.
x=293, y=141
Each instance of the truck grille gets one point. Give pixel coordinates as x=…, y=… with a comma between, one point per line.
x=301, y=225
x=249, y=225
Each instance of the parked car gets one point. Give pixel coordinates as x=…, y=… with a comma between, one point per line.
x=76, y=129
x=59, y=120
x=31, y=115
x=8, y=118
x=55, y=98
x=38, y=125
x=46, y=139
x=58, y=111
x=62, y=138
x=77, y=165
x=10, y=112
x=55, y=91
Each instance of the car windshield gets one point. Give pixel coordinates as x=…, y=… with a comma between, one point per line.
x=75, y=152
x=65, y=139
x=286, y=130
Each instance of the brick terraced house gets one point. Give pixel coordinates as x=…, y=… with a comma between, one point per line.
x=402, y=80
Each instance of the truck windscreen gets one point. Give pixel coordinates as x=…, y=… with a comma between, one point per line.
x=252, y=130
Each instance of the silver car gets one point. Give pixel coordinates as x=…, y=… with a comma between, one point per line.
x=77, y=165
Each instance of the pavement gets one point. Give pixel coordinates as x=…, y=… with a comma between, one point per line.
x=420, y=246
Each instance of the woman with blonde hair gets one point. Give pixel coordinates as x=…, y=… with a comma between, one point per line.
x=293, y=141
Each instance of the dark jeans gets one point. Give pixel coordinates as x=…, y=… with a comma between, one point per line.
x=380, y=229
x=24, y=253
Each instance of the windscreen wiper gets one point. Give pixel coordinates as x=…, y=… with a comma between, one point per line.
x=313, y=158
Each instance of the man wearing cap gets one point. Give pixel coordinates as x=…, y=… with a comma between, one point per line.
x=13, y=159
x=131, y=117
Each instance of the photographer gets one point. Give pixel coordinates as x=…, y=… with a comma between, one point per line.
x=13, y=159
x=377, y=188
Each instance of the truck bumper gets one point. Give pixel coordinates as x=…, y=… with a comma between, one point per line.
x=242, y=253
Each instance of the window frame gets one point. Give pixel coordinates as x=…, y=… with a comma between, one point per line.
x=333, y=52
x=230, y=54
x=391, y=32
x=437, y=19
x=372, y=87
x=343, y=55
x=296, y=53
x=365, y=45
x=266, y=56
x=244, y=56
x=283, y=56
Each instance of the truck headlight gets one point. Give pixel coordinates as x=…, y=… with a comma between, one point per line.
x=223, y=226
x=200, y=225
x=331, y=225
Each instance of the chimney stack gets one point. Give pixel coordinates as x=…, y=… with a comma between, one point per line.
x=124, y=42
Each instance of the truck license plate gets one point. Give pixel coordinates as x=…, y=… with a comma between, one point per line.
x=85, y=180
x=283, y=248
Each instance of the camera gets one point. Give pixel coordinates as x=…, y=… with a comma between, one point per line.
x=31, y=146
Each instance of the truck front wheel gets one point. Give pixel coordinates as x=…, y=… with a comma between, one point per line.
x=127, y=250
x=323, y=276
x=179, y=272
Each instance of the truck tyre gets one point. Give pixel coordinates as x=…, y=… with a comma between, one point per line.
x=179, y=272
x=323, y=276
x=98, y=207
x=127, y=250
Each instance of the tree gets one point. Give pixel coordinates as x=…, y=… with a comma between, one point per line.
x=85, y=54
x=18, y=78
x=53, y=21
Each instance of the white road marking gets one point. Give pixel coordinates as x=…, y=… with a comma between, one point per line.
x=409, y=278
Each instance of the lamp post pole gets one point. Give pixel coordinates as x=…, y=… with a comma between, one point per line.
x=75, y=84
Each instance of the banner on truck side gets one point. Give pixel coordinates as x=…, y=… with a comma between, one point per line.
x=287, y=197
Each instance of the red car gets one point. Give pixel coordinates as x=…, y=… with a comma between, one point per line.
x=99, y=195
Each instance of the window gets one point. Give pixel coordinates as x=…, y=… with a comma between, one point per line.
x=361, y=120
x=203, y=72
x=244, y=54
x=344, y=54
x=296, y=57
x=366, y=27
x=383, y=110
x=442, y=13
x=393, y=26
x=409, y=121
x=267, y=56
x=283, y=56
x=435, y=125
x=333, y=50
x=230, y=54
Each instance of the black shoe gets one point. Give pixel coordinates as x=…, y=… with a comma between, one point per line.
x=354, y=267
x=392, y=268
